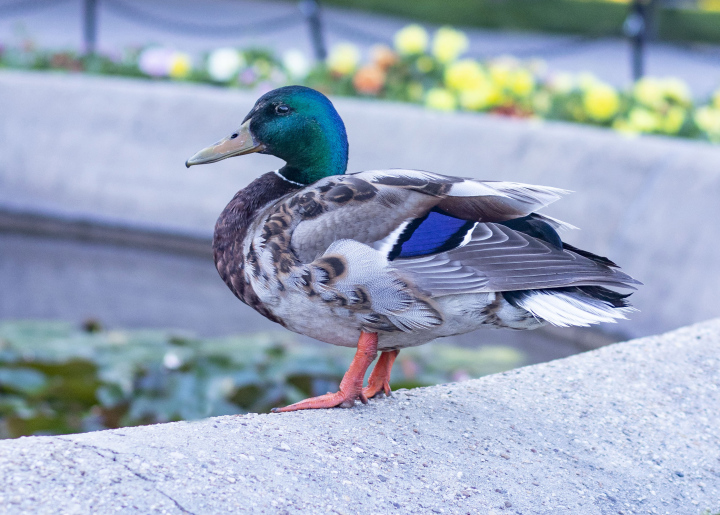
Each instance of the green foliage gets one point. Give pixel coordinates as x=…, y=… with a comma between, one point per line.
x=689, y=25
x=590, y=18
x=29, y=58
x=597, y=18
x=56, y=379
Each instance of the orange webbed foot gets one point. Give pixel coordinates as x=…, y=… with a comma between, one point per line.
x=351, y=385
x=338, y=399
x=379, y=381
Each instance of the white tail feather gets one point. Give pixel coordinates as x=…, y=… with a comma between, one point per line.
x=567, y=309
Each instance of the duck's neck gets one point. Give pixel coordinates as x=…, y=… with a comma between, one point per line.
x=305, y=176
x=321, y=156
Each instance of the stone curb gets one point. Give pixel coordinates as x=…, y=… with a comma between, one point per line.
x=630, y=428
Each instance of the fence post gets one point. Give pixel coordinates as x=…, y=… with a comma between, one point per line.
x=311, y=11
x=89, y=26
x=636, y=29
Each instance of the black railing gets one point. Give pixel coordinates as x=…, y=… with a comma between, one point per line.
x=637, y=27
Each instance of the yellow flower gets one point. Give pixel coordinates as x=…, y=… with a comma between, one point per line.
x=440, y=99
x=343, y=59
x=649, y=91
x=448, y=44
x=180, y=65
x=601, y=102
x=411, y=40
x=716, y=100
x=500, y=73
x=677, y=90
x=674, y=120
x=643, y=120
x=464, y=75
x=521, y=82
x=709, y=5
x=708, y=119
x=480, y=98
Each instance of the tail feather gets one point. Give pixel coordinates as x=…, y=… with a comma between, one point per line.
x=584, y=253
x=578, y=306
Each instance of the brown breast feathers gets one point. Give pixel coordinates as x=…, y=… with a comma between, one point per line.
x=231, y=229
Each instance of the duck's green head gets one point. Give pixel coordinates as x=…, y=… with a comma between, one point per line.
x=297, y=124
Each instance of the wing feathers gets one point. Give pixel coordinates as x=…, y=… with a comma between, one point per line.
x=507, y=201
x=453, y=235
x=501, y=259
x=469, y=199
x=369, y=207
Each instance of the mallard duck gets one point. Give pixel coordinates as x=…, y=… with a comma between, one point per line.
x=387, y=259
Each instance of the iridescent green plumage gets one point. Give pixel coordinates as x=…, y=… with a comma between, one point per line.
x=301, y=127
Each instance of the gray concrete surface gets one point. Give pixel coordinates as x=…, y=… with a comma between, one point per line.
x=112, y=150
x=627, y=429
x=59, y=25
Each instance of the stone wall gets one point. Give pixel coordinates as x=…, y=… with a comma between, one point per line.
x=630, y=428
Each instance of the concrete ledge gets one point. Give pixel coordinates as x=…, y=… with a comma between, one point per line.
x=112, y=150
x=630, y=428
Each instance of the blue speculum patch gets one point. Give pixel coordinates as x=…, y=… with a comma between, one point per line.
x=436, y=232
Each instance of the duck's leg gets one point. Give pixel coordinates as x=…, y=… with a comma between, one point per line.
x=379, y=380
x=351, y=385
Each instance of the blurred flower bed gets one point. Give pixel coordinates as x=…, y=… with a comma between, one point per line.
x=57, y=379
x=423, y=69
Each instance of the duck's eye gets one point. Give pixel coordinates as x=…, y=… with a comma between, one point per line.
x=235, y=135
x=282, y=109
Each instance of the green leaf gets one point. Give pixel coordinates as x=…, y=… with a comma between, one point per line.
x=24, y=380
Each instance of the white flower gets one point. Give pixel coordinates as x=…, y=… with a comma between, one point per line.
x=155, y=61
x=224, y=64
x=296, y=64
x=171, y=361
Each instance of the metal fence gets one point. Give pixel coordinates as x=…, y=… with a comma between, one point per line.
x=637, y=27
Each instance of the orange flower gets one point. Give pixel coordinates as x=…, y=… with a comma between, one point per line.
x=369, y=79
x=383, y=56
x=66, y=62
